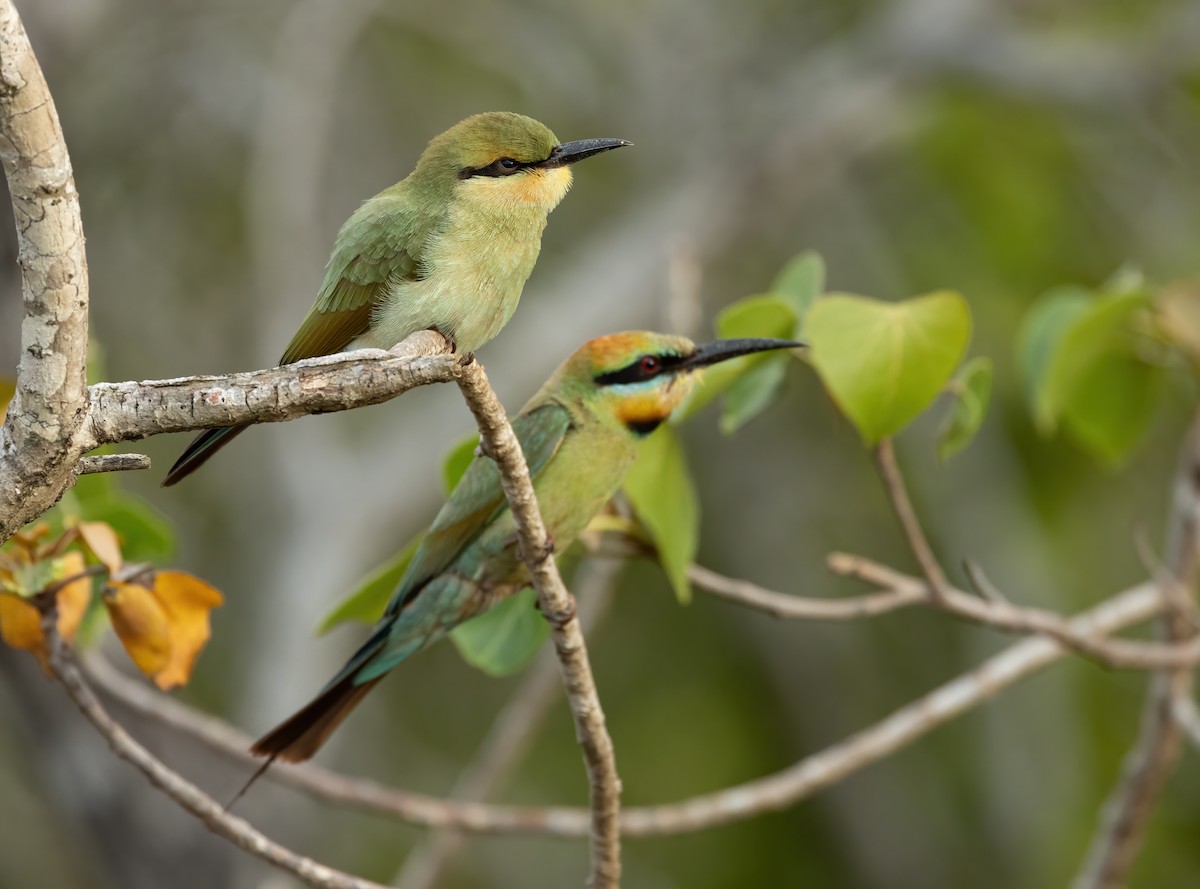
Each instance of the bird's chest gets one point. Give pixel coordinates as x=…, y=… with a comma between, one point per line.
x=472, y=275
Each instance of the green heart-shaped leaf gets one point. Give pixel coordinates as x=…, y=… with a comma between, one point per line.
x=883, y=362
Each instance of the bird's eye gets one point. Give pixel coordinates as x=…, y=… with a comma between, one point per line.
x=648, y=364
x=507, y=163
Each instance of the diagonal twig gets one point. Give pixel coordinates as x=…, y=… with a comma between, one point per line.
x=784, y=605
x=511, y=733
x=1131, y=804
x=558, y=607
x=893, y=483
x=1003, y=615
x=190, y=797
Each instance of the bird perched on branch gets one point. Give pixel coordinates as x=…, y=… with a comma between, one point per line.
x=448, y=248
x=579, y=434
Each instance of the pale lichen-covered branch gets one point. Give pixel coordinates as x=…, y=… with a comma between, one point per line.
x=49, y=407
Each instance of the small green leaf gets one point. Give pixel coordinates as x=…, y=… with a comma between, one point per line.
x=1038, y=339
x=756, y=316
x=882, y=362
x=754, y=382
x=371, y=594
x=458, y=460
x=660, y=490
x=1091, y=336
x=1112, y=406
x=503, y=639
x=752, y=393
x=971, y=388
x=768, y=315
x=800, y=283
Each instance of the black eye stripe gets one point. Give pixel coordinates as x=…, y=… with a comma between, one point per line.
x=503, y=166
x=636, y=373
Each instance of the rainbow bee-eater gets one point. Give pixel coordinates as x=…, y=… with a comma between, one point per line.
x=580, y=435
x=449, y=248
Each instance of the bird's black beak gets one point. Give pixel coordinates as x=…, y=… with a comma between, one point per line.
x=570, y=152
x=723, y=350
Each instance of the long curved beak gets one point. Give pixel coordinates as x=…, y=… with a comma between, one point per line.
x=570, y=152
x=723, y=350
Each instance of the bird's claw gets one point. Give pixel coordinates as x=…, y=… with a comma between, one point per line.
x=448, y=338
x=467, y=359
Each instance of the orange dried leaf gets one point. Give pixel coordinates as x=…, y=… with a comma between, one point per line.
x=21, y=625
x=102, y=540
x=186, y=600
x=73, y=598
x=141, y=624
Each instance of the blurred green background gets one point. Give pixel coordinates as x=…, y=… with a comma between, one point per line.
x=997, y=147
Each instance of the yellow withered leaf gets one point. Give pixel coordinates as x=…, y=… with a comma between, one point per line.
x=187, y=600
x=73, y=598
x=102, y=540
x=141, y=624
x=21, y=624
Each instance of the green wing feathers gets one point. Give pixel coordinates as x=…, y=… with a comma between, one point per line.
x=376, y=247
x=478, y=498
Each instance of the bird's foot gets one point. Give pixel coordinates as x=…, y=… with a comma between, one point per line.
x=467, y=359
x=448, y=338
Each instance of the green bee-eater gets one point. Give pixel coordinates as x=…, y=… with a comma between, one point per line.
x=579, y=434
x=449, y=248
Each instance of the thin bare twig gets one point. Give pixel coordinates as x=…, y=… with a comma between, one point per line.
x=736, y=803
x=1131, y=804
x=1003, y=615
x=511, y=733
x=893, y=483
x=189, y=797
x=783, y=605
x=558, y=607
x=112, y=463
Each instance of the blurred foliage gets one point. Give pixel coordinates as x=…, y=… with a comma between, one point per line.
x=161, y=617
x=81, y=555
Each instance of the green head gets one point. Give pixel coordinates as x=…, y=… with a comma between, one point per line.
x=637, y=379
x=505, y=158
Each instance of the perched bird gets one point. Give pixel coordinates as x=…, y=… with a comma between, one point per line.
x=448, y=248
x=579, y=434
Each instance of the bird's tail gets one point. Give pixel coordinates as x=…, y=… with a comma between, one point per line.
x=302, y=734
x=203, y=446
